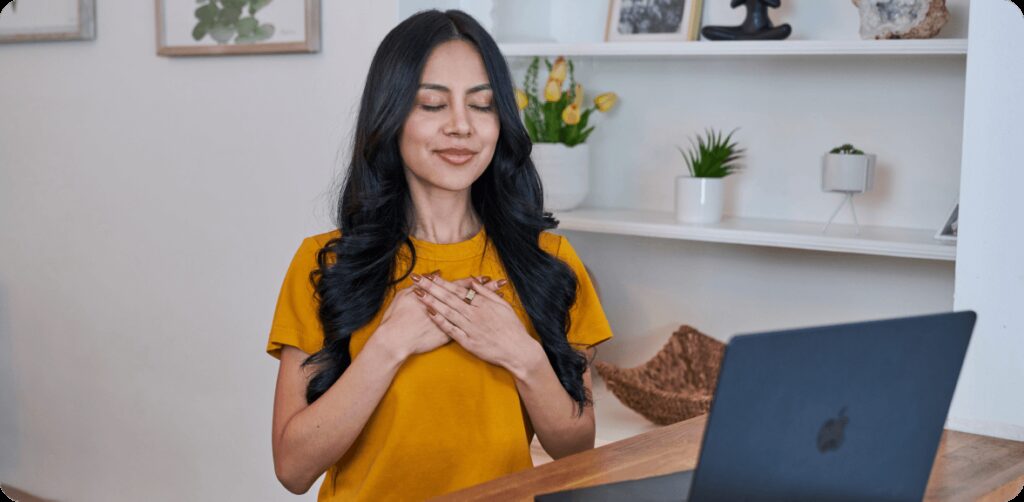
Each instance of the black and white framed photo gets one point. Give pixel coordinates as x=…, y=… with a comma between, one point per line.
x=219, y=27
x=949, y=230
x=36, y=21
x=653, y=20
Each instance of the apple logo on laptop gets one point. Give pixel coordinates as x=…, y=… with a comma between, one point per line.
x=830, y=437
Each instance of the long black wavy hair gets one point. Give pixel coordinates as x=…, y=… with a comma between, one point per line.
x=355, y=270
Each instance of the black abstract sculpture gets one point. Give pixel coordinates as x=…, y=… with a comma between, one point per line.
x=757, y=25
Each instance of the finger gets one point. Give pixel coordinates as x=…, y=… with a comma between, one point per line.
x=454, y=332
x=479, y=279
x=485, y=291
x=486, y=280
x=446, y=310
x=451, y=294
x=464, y=282
x=482, y=279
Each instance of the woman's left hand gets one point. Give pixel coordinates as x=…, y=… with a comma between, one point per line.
x=487, y=326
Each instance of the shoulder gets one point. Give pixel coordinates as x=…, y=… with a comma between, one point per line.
x=559, y=247
x=314, y=243
x=321, y=239
x=305, y=255
x=550, y=242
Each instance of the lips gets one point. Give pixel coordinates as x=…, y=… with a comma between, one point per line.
x=456, y=156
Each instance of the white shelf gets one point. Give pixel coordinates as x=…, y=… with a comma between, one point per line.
x=881, y=241
x=931, y=46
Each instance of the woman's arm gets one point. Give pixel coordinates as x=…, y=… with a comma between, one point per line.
x=550, y=409
x=307, y=439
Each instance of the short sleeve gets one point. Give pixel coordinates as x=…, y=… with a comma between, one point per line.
x=588, y=324
x=296, y=322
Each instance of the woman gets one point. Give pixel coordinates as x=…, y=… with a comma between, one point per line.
x=404, y=371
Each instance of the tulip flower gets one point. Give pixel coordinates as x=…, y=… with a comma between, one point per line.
x=521, y=99
x=571, y=114
x=558, y=70
x=553, y=90
x=579, y=96
x=606, y=101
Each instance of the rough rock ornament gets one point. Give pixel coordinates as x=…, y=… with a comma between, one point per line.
x=901, y=18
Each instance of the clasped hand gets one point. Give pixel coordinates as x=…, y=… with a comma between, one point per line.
x=487, y=326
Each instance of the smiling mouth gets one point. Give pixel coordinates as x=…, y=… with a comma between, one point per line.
x=455, y=158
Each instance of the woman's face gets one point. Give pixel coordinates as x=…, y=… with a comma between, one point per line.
x=449, y=136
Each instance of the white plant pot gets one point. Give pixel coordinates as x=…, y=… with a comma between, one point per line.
x=564, y=173
x=847, y=173
x=699, y=200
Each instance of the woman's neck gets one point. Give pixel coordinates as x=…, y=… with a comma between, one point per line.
x=444, y=220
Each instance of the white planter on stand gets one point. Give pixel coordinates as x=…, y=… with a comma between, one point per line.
x=564, y=173
x=699, y=200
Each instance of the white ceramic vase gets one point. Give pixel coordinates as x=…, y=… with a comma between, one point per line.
x=564, y=173
x=699, y=200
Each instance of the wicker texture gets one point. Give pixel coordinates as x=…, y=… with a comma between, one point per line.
x=676, y=384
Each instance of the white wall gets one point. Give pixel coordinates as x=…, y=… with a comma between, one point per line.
x=989, y=271
x=149, y=206
x=148, y=209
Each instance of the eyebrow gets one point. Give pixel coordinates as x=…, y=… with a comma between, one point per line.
x=439, y=87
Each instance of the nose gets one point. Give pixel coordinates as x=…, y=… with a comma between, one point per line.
x=458, y=122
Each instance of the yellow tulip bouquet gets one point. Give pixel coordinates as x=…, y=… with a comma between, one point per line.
x=559, y=118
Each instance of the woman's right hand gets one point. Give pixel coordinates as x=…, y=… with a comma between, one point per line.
x=406, y=327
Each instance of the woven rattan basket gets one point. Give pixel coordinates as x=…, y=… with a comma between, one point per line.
x=676, y=384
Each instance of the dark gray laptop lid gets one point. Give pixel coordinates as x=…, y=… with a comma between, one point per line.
x=843, y=412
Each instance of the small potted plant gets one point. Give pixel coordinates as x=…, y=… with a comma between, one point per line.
x=700, y=194
x=558, y=128
x=847, y=170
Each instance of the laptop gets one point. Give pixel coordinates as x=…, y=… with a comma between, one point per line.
x=842, y=412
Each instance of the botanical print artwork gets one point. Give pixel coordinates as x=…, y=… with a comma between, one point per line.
x=221, y=27
x=232, y=21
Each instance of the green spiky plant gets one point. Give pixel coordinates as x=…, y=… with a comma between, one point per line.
x=847, y=149
x=712, y=156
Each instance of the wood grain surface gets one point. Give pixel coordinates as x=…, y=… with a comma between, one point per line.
x=967, y=467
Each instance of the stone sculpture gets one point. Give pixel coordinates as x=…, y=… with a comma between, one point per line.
x=880, y=19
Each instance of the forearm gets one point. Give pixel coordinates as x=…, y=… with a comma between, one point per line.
x=319, y=435
x=552, y=410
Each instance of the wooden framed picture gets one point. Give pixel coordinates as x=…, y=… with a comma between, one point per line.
x=219, y=27
x=653, y=20
x=34, y=21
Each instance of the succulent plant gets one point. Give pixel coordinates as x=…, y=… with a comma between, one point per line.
x=713, y=156
x=846, y=149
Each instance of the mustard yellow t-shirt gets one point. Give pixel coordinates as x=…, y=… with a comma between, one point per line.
x=449, y=420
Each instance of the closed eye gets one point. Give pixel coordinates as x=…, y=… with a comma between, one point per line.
x=440, y=107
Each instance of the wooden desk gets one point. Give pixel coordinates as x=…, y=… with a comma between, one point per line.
x=967, y=467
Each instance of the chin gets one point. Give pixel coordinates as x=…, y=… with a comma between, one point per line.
x=455, y=179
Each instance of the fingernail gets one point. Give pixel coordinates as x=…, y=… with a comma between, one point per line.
x=431, y=311
x=485, y=279
x=419, y=292
x=416, y=277
x=502, y=282
x=435, y=272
